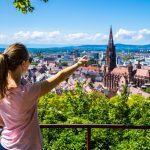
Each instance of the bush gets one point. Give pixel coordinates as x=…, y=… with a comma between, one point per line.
x=94, y=108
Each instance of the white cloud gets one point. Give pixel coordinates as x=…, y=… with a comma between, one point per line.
x=77, y=36
x=35, y=36
x=133, y=37
x=21, y=35
x=144, y=31
x=141, y=36
x=85, y=38
x=124, y=34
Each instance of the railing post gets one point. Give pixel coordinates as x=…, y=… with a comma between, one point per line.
x=88, y=140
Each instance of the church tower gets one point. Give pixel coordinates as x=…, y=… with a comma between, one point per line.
x=110, y=61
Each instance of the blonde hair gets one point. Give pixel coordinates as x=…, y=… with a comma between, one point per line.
x=12, y=57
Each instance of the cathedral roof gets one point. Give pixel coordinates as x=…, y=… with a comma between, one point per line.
x=120, y=70
x=142, y=72
x=146, y=67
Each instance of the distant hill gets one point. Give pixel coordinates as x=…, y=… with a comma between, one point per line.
x=54, y=48
x=125, y=46
x=118, y=46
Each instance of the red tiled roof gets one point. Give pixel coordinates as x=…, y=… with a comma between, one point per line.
x=92, y=68
x=142, y=72
x=120, y=70
x=146, y=67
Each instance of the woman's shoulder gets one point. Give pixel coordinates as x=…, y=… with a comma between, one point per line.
x=21, y=86
x=10, y=88
x=25, y=90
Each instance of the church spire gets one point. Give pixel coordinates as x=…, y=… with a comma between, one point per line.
x=111, y=53
x=110, y=41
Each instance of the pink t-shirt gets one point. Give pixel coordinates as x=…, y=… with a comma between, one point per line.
x=19, y=113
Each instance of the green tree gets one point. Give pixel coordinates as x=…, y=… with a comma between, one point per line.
x=128, y=57
x=70, y=108
x=148, y=89
x=94, y=108
x=119, y=109
x=92, y=61
x=138, y=114
x=24, y=6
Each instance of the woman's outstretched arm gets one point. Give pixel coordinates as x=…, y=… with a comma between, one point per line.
x=52, y=82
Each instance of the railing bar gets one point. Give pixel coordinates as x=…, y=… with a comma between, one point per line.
x=113, y=126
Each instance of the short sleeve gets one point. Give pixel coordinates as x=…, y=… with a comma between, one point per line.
x=32, y=93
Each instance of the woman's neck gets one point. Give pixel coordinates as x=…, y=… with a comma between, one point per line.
x=14, y=79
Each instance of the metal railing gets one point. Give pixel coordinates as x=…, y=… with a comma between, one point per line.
x=90, y=126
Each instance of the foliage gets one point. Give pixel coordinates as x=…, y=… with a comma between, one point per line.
x=148, y=90
x=92, y=61
x=34, y=63
x=60, y=64
x=25, y=6
x=128, y=57
x=94, y=108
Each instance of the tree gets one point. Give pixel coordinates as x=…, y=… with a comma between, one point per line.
x=70, y=108
x=128, y=57
x=25, y=6
x=148, y=89
x=78, y=107
x=92, y=61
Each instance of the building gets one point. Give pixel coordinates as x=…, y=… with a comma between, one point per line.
x=114, y=76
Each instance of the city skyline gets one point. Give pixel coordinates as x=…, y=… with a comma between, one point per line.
x=76, y=22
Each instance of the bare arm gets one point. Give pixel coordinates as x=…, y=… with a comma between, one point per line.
x=52, y=82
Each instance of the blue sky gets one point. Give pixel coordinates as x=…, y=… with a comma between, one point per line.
x=76, y=22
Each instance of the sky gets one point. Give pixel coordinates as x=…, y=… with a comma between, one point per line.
x=76, y=22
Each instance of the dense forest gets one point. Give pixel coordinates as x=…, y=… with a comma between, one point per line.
x=94, y=108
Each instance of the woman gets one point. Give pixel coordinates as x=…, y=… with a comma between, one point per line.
x=18, y=103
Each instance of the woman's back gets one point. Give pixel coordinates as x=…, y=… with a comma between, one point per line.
x=19, y=113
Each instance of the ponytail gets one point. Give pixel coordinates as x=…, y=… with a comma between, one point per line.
x=3, y=74
x=12, y=57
